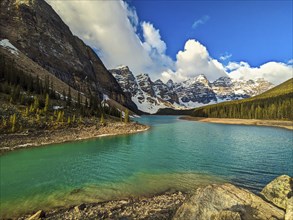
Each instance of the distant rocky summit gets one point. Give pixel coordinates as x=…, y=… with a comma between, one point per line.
x=147, y=95
x=151, y=96
x=212, y=202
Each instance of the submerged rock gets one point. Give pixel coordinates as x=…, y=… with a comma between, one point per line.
x=227, y=202
x=38, y=215
x=79, y=207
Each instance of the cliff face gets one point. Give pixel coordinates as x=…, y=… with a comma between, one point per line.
x=36, y=30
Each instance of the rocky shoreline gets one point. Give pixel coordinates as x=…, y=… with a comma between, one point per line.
x=10, y=142
x=271, y=123
x=215, y=201
x=161, y=206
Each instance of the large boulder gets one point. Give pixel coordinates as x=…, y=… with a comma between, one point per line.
x=227, y=202
x=280, y=193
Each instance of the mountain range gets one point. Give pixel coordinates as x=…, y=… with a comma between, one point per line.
x=150, y=96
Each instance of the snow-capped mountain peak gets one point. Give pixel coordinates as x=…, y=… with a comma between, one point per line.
x=170, y=83
x=200, y=79
x=150, y=96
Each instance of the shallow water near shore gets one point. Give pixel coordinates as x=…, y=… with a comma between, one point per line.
x=173, y=155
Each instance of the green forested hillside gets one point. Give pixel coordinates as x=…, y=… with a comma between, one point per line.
x=276, y=103
x=29, y=102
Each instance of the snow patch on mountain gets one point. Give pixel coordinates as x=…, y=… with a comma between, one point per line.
x=7, y=45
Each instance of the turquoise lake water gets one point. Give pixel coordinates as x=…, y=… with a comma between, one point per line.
x=173, y=155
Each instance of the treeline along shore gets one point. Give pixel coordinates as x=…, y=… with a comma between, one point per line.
x=34, y=113
x=275, y=104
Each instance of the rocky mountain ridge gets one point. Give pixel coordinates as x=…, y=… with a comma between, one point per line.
x=150, y=96
x=35, y=29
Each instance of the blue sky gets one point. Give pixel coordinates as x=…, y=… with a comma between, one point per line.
x=181, y=39
x=254, y=31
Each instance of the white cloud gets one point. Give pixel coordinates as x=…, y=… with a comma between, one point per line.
x=200, y=21
x=152, y=38
x=234, y=65
x=156, y=49
x=272, y=71
x=225, y=57
x=195, y=60
x=131, y=14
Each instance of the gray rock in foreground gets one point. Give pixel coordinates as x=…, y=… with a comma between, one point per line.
x=226, y=202
x=280, y=193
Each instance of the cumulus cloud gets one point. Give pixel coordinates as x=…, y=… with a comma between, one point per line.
x=152, y=38
x=234, y=65
x=272, y=71
x=156, y=49
x=195, y=60
x=200, y=21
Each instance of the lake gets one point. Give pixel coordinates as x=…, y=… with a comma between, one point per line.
x=173, y=155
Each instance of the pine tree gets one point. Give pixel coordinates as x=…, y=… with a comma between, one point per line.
x=38, y=118
x=52, y=91
x=126, y=116
x=102, y=121
x=47, y=85
x=86, y=103
x=36, y=103
x=13, y=122
x=46, y=103
x=26, y=111
x=62, y=117
x=78, y=100
x=68, y=103
x=64, y=95
x=31, y=108
x=15, y=93
x=51, y=118
x=79, y=120
x=4, y=122
x=58, y=117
